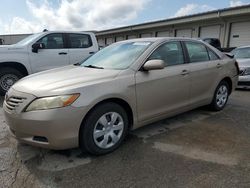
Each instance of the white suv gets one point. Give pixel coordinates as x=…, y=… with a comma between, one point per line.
x=43, y=51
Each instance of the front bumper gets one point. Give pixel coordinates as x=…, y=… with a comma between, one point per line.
x=54, y=129
x=244, y=82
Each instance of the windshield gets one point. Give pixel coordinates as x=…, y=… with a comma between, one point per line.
x=241, y=53
x=28, y=39
x=117, y=56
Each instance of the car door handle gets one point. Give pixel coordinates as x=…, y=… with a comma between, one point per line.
x=62, y=53
x=91, y=52
x=184, y=72
x=218, y=65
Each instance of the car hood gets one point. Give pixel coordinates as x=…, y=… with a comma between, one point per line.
x=10, y=47
x=63, y=80
x=244, y=62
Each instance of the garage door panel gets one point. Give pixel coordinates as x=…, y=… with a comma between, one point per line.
x=131, y=36
x=117, y=39
x=163, y=34
x=146, y=35
x=184, y=33
x=109, y=41
x=210, y=31
x=240, y=34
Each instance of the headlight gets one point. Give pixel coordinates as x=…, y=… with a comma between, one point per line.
x=52, y=102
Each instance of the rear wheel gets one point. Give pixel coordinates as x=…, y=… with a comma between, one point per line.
x=104, y=129
x=8, y=76
x=220, y=96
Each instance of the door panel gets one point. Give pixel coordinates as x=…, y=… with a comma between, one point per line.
x=54, y=55
x=204, y=72
x=163, y=91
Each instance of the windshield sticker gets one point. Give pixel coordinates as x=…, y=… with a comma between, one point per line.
x=141, y=43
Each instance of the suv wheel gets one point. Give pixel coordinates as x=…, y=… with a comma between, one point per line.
x=8, y=76
x=104, y=129
x=220, y=96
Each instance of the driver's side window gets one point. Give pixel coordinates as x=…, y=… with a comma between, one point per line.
x=171, y=53
x=52, y=41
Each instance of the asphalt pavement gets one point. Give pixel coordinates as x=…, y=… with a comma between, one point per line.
x=199, y=148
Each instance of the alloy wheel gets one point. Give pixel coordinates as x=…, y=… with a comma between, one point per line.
x=108, y=130
x=221, y=96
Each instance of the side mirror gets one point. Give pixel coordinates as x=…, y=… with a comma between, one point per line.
x=37, y=46
x=155, y=64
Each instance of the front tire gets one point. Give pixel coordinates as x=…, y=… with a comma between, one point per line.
x=220, y=96
x=8, y=76
x=104, y=129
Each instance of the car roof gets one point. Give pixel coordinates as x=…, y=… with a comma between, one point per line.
x=84, y=32
x=160, y=39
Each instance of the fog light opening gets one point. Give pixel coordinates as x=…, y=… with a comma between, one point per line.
x=40, y=138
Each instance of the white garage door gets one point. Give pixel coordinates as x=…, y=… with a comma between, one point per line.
x=210, y=32
x=146, y=35
x=163, y=34
x=131, y=36
x=240, y=34
x=101, y=42
x=109, y=41
x=117, y=39
x=184, y=33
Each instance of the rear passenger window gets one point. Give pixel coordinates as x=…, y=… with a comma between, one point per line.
x=80, y=41
x=170, y=52
x=197, y=52
x=212, y=55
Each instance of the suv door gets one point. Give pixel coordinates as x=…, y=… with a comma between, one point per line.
x=163, y=91
x=205, y=71
x=53, y=55
x=80, y=47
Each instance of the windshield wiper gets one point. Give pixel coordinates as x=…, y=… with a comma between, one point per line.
x=93, y=66
x=78, y=64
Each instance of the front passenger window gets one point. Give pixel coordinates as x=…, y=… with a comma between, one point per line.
x=52, y=41
x=170, y=52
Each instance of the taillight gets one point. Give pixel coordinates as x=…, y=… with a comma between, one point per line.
x=237, y=67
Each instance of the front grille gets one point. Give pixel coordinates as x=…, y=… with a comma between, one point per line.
x=244, y=83
x=13, y=102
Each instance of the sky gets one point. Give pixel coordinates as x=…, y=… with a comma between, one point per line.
x=31, y=16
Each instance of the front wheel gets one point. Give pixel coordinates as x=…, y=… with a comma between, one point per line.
x=220, y=96
x=104, y=129
x=8, y=76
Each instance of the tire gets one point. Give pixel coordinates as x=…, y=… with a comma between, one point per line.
x=8, y=76
x=220, y=98
x=100, y=133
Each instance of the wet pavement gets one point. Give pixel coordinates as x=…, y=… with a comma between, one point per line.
x=195, y=149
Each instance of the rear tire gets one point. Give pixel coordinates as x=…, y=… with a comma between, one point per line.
x=104, y=129
x=220, y=98
x=8, y=76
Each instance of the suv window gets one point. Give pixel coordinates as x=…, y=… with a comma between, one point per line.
x=80, y=41
x=197, y=52
x=53, y=41
x=171, y=53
